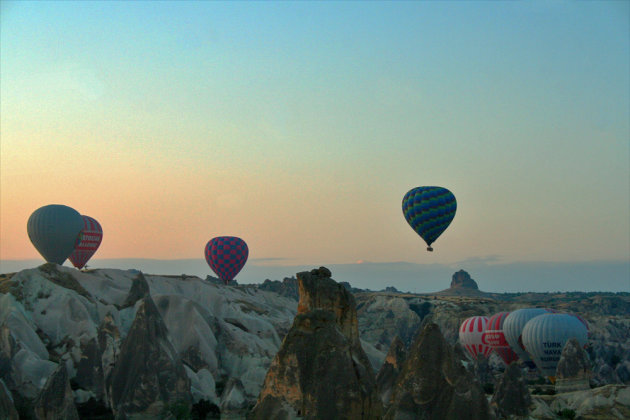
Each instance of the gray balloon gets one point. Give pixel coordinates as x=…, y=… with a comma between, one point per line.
x=54, y=231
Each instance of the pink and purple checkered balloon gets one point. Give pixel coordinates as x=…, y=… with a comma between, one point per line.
x=226, y=256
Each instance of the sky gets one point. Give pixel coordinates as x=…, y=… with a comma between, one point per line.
x=299, y=127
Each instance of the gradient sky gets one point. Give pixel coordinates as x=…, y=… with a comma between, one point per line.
x=299, y=126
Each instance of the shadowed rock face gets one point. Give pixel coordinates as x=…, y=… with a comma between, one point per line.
x=320, y=371
x=480, y=368
x=388, y=374
x=511, y=396
x=148, y=373
x=432, y=384
x=89, y=374
x=56, y=400
x=108, y=338
x=7, y=409
x=574, y=368
x=463, y=279
x=139, y=290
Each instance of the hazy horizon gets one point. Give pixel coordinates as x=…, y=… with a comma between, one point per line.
x=491, y=276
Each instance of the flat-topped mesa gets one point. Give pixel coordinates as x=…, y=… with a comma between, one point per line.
x=462, y=279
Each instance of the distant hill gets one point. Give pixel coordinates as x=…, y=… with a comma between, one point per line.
x=462, y=285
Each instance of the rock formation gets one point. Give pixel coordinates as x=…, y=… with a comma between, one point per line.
x=287, y=287
x=463, y=285
x=482, y=371
x=148, y=374
x=388, y=373
x=511, y=397
x=52, y=314
x=574, y=369
x=462, y=279
x=320, y=371
x=139, y=290
x=56, y=400
x=434, y=385
x=108, y=337
x=606, y=402
x=7, y=409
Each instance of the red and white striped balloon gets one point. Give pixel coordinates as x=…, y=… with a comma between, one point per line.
x=90, y=239
x=471, y=334
x=495, y=338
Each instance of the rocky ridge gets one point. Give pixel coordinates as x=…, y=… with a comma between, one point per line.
x=102, y=324
x=54, y=316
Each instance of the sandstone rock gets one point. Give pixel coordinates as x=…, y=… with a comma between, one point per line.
x=7, y=409
x=7, y=351
x=316, y=292
x=148, y=374
x=139, y=290
x=287, y=287
x=233, y=395
x=574, y=369
x=606, y=402
x=108, y=338
x=623, y=371
x=53, y=273
x=383, y=317
x=433, y=385
x=56, y=400
x=89, y=375
x=482, y=371
x=321, y=272
x=320, y=371
x=388, y=373
x=463, y=279
x=511, y=397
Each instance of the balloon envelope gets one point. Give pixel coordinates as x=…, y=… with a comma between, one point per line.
x=544, y=338
x=54, y=230
x=429, y=211
x=513, y=328
x=470, y=336
x=226, y=256
x=495, y=338
x=91, y=237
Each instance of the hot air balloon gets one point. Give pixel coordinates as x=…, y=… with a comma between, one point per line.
x=544, y=338
x=429, y=211
x=91, y=237
x=513, y=328
x=54, y=230
x=470, y=333
x=495, y=338
x=226, y=256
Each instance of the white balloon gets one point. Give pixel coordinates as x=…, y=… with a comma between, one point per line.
x=544, y=338
x=513, y=328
